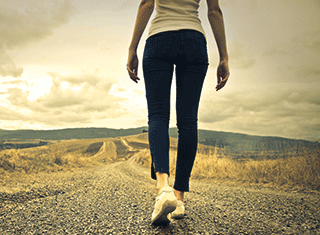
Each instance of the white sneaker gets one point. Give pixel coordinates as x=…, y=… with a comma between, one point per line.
x=178, y=213
x=166, y=202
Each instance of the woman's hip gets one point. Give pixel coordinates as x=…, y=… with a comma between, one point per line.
x=176, y=47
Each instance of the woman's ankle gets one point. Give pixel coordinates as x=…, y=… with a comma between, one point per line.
x=162, y=180
x=179, y=195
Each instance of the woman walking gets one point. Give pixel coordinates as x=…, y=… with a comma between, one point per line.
x=176, y=41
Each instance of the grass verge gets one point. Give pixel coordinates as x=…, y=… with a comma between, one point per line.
x=297, y=173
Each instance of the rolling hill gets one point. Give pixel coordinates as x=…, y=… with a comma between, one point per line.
x=230, y=142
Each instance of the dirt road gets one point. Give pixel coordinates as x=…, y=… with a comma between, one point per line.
x=118, y=199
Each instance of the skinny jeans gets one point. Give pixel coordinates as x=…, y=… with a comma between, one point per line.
x=186, y=50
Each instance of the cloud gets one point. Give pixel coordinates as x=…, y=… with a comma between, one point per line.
x=309, y=40
x=308, y=74
x=240, y=56
x=75, y=80
x=14, y=82
x=289, y=111
x=23, y=23
x=78, y=99
x=276, y=51
x=127, y=4
x=7, y=114
x=7, y=66
x=249, y=4
x=18, y=97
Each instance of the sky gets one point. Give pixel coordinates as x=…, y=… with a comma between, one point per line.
x=63, y=65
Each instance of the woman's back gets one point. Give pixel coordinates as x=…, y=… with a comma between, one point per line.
x=176, y=15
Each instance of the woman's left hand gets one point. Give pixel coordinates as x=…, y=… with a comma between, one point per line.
x=132, y=66
x=223, y=74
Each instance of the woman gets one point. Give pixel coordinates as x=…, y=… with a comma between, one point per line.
x=176, y=39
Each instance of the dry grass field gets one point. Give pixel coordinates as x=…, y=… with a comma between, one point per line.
x=300, y=173
x=24, y=169
x=211, y=164
x=63, y=156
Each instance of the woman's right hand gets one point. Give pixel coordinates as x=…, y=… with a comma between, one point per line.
x=223, y=74
x=144, y=13
x=132, y=66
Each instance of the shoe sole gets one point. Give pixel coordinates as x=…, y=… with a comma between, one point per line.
x=167, y=207
x=180, y=216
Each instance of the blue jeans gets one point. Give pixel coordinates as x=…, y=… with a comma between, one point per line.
x=187, y=50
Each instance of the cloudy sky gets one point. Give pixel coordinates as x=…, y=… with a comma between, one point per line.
x=63, y=64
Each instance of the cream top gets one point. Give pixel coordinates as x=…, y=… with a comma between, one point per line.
x=176, y=15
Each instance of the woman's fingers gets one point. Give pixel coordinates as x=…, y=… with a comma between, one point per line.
x=133, y=72
x=222, y=75
x=221, y=83
x=132, y=68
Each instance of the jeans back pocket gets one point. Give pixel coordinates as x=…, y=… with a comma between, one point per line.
x=158, y=46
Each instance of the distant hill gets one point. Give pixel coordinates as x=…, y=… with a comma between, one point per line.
x=234, y=142
x=65, y=134
x=242, y=142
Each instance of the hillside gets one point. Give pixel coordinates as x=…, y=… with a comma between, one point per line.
x=212, y=163
x=65, y=134
x=242, y=142
x=230, y=142
x=64, y=155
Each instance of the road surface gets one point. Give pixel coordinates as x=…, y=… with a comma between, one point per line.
x=118, y=199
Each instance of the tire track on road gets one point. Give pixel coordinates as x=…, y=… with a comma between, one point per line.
x=101, y=150
x=126, y=144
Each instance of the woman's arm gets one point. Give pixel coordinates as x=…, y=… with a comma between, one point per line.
x=144, y=13
x=216, y=21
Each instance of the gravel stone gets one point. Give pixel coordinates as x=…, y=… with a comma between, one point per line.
x=118, y=199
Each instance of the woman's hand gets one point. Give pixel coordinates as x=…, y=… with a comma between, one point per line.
x=132, y=66
x=144, y=12
x=222, y=74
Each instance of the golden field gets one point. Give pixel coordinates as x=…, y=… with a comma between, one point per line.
x=211, y=164
x=63, y=156
x=301, y=173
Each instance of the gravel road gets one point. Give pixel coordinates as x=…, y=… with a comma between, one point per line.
x=118, y=199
